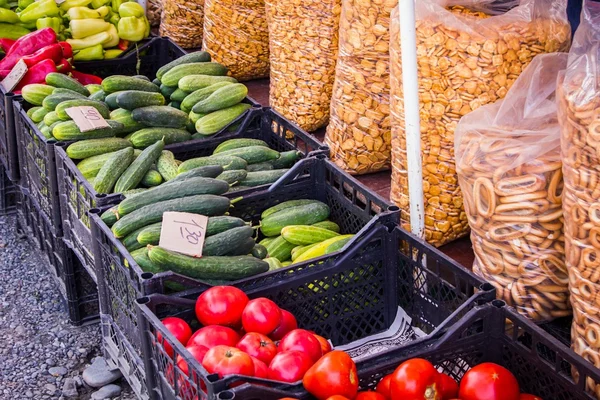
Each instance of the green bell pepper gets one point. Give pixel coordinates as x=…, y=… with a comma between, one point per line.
x=67, y=5
x=98, y=38
x=132, y=29
x=8, y=16
x=90, y=53
x=40, y=9
x=96, y=4
x=131, y=9
x=23, y=4
x=85, y=13
x=82, y=28
x=116, y=4
x=9, y=31
x=114, y=18
x=50, y=22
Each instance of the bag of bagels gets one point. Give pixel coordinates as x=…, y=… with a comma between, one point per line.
x=510, y=173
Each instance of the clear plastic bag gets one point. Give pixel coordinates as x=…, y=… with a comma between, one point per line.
x=467, y=57
x=579, y=113
x=153, y=11
x=182, y=22
x=358, y=133
x=303, y=43
x=509, y=170
x=236, y=35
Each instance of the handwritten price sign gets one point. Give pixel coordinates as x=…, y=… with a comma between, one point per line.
x=87, y=118
x=14, y=76
x=183, y=232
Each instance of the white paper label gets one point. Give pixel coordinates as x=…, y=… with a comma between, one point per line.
x=87, y=118
x=183, y=232
x=14, y=76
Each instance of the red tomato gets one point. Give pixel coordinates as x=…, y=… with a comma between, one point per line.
x=260, y=368
x=226, y=360
x=335, y=373
x=525, y=396
x=383, y=387
x=289, y=366
x=370, y=396
x=197, y=351
x=325, y=345
x=178, y=328
x=261, y=315
x=215, y=335
x=303, y=341
x=489, y=381
x=221, y=305
x=259, y=346
x=449, y=387
x=288, y=323
x=337, y=397
x=416, y=379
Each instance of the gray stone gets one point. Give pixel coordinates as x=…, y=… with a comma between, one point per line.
x=107, y=392
x=70, y=388
x=50, y=388
x=57, y=371
x=98, y=374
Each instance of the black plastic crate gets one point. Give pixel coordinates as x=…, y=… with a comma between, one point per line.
x=345, y=301
x=8, y=144
x=78, y=291
x=77, y=196
x=8, y=194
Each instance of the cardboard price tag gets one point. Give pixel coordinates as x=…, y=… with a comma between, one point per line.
x=87, y=118
x=183, y=232
x=14, y=76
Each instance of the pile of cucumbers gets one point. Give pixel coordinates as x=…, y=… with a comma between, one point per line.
x=298, y=230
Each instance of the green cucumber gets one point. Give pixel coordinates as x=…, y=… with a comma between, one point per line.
x=205, y=204
x=68, y=130
x=252, y=154
x=201, y=94
x=265, y=242
x=233, y=176
x=35, y=93
x=179, y=95
x=244, y=248
x=63, y=81
x=258, y=178
x=130, y=241
x=221, y=98
x=172, y=77
x=286, y=205
x=93, y=88
x=51, y=102
x=298, y=251
x=110, y=216
x=111, y=100
x=209, y=171
x=218, y=120
x=264, y=166
x=132, y=99
x=175, y=105
x=232, y=144
x=138, y=168
x=195, y=57
x=93, y=147
x=32, y=110
x=302, y=235
x=329, y=225
x=68, y=92
x=307, y=214
x=51, y=118
x=147, y=136
x=160, y=116
x=280, y=249
x=133, y=192
x=286, y=159
x=124, y=116
x=166, y=165
x=98, y=96
x=150, y=234
x=118, y=83
x=273, y=263
x=318, y=249
x=337, y=245
x=224, y=242
x=191, y=83
x=151, y=179
x=61, y=109
x=167, y=91
x=39, y=114
x=89, y=167
x=227, y=162
x=140, y=256
x=143, y=77
x=259, y=251
x=194, y=117
x=112, y=170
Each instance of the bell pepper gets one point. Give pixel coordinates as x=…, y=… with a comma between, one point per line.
x=23, y=4
x=6, y=44
x=8, y=16
x=39, y=9
x=50, y=22
x=64, y=66
x=90, y=53
x=85, y=13
x=96, y=4
x=36, y=74
x=9, y=31
x=67, y=5
x=132, y=29
x=66, y=49
x=98, y=38
x=52, y=52
x=114, y=18
x=114, y=37
x=26, y=45
x=27, y=25
x=115, y=4
x=123, y=44
x=131, y=9
x=82, y=28
x=112, y=53
x=86, y=79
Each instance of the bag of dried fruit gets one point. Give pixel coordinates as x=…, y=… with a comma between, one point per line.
x=467, y=57
x=303, y=44
x=236, y=35
x=153, y=11
x=182, y=22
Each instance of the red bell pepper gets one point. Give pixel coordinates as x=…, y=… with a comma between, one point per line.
x=64, y=66
x=36, y=74
x=6, y=44
x=4, y=73
x=67, y=50
x=28, y=44
x=86, y=79
x=52, y=52
x=123, y=44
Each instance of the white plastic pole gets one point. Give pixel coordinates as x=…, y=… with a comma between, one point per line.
x=408, y=39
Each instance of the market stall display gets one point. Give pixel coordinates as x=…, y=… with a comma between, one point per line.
x=236, y=35
x=303, y=43
x=467, y=58
x=182, y=21
x=153, y=12
x=510, y=173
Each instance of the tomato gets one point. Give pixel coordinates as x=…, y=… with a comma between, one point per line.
x=489, y=381
x=197, y=351
x=383, y=387
x=260, y=368
x=214, y=335
x=221, y=305
x=261, y=315
x=415, y=379
x=335, y=373
x=525, y=396
x=178, y=328
x=370, y=396
x=325, y=345
x=449, y=387
x=289, y=366
x=226, y=360
x=337, y=397
x=259, y=346
x=288, y=323
x=303, y=341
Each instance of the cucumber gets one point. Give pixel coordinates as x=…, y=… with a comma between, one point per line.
x=216, y=225
x=228, y=163
x=175, y=190
x=109, y=217
x=54, y=100
x=202, y=94
x=51, y=118
x=232, y=144
x=265, y=242
x=286, y=263
x=35, y=93
x=138, y=168
x=264, y=166
x=143, y=77
x=302, y=235
x=192, y=83
x=280, y=249
x=258, y=178
x=111, y=100
x=172, y=77
x=68, y=130
x=118, y=83
x=147, y=136
x=216, y=121
x=176, y=105
x=298, y=251
x=93, y=147
x=157, y=82
x=132, y=99
x=130, y=241
x=151, y=179
x=179, y=95
x=195, y=57
x=112, y=170
x=319, y=249
x=98, y=96
x=124, y=116
x=307, y=214
x=32, y=110
x=224, y=242
x=63, y=81
x=286, y=205
x=90, y=166
x=61, y=109
x=166, y=165
x=150, y=234
x=93, y=88
x=329, y=225
x=228, y=268
x=68, y=92
x=140, y=256
x=194, y=118
x=337, y=245
x=167, y=91
x=221, y=98
x=273, y=263
x=205, y=204
x=209, y=171
x=259, y=251
x=252, y=154
x=233, y=176
x=245, y=248
x=160, y=116
x=39, y=114
x=286, y=159
x=133, y=192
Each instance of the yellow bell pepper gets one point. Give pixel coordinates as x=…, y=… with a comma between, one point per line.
x=85, y=13
x=98, y=38
x=82, y=28
x=67, y=5
x=131, y=9
x=114, y=37
x=132, y=29
x=90, y=53
x=39, y=9
x=112, y=53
